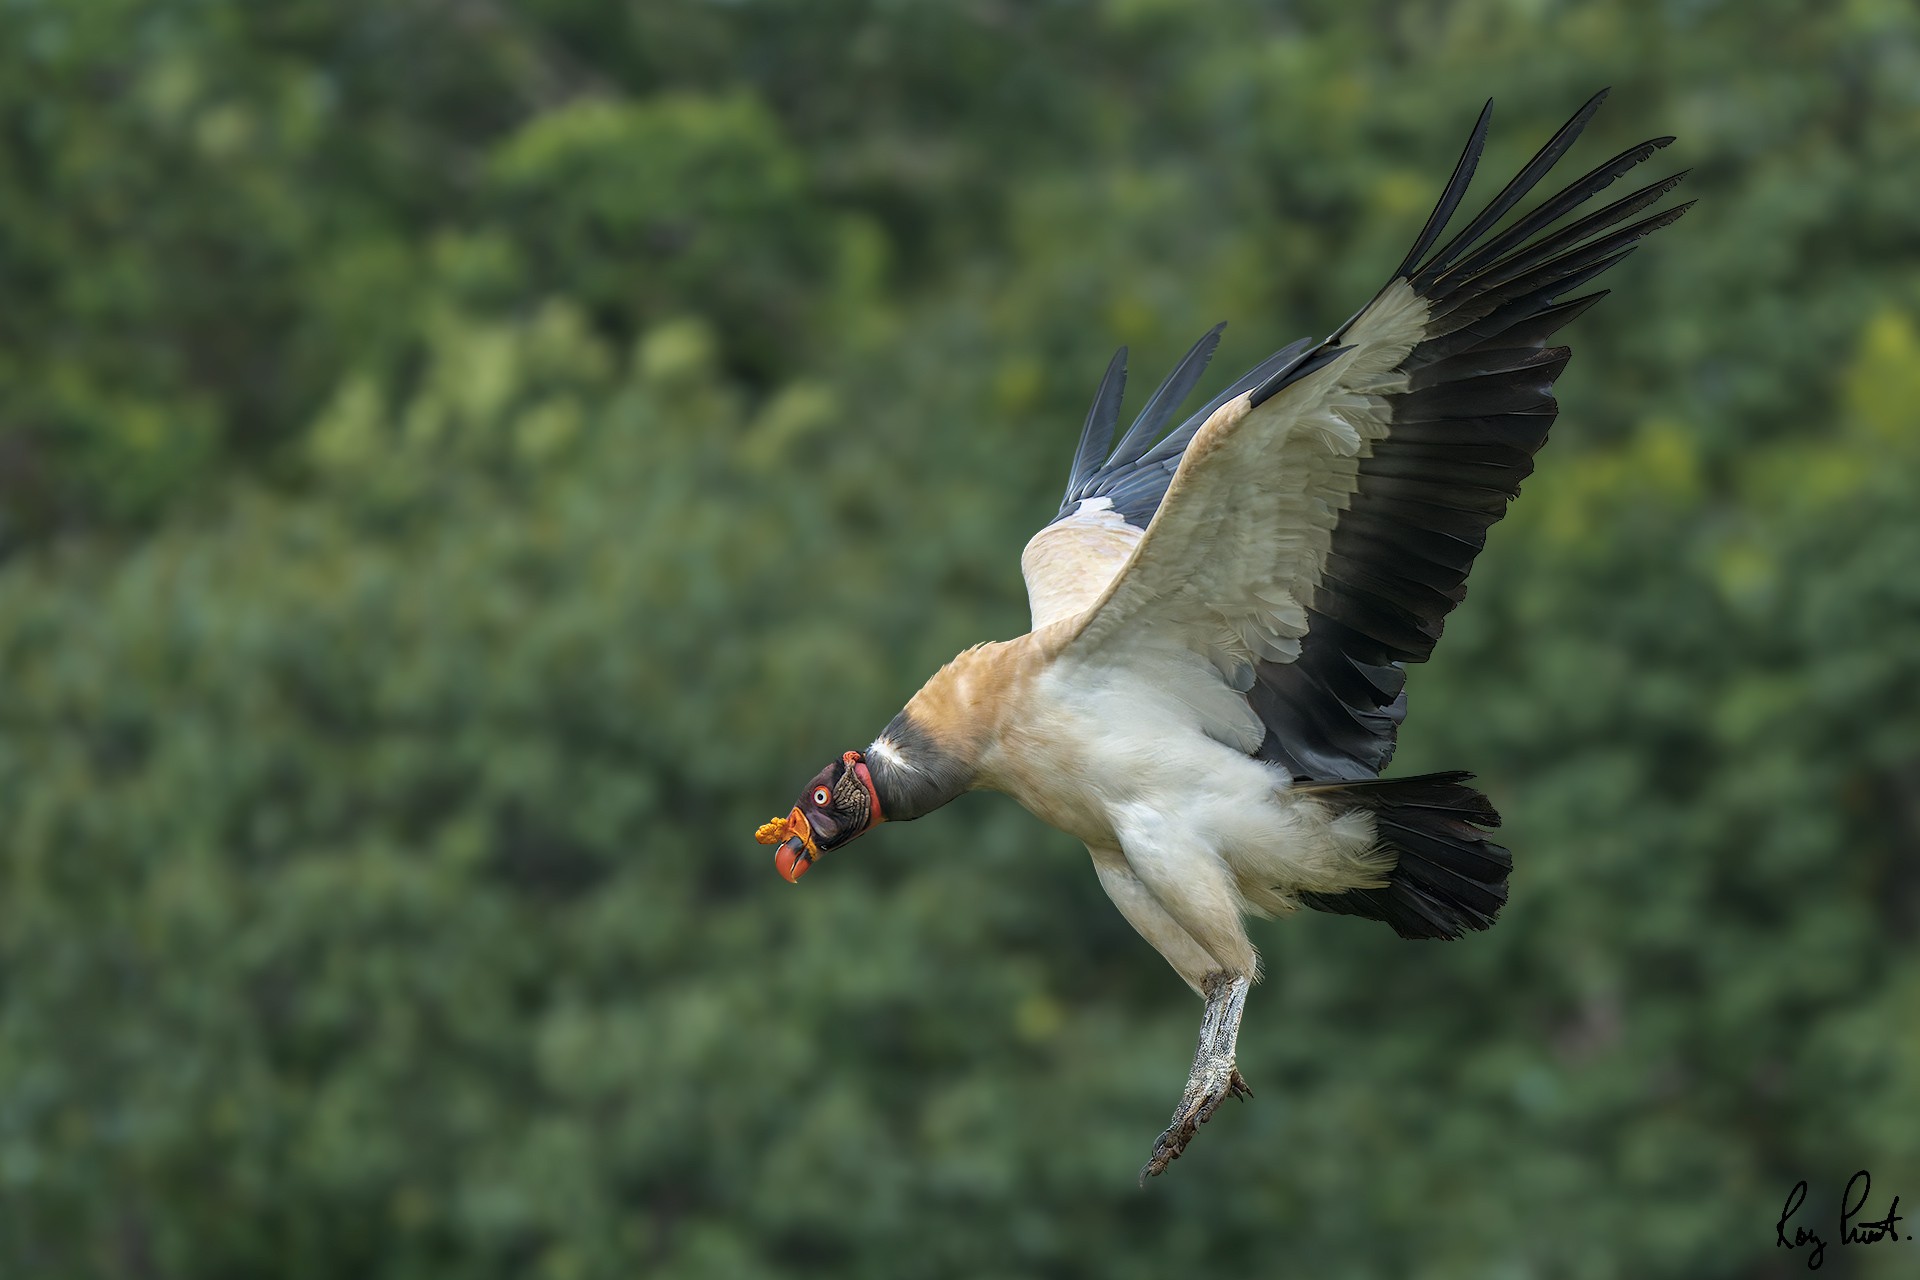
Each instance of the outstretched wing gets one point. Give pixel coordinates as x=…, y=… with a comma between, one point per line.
x=1320, y=522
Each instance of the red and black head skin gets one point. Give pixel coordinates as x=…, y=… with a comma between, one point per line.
x=838, y=805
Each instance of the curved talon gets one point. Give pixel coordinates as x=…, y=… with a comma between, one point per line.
x=1195, y=1109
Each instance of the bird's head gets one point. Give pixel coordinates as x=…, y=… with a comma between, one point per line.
x=838, y=805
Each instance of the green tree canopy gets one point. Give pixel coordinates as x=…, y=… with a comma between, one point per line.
x=462, y=465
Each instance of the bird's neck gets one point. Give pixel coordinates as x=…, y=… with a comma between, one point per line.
x=931, y=752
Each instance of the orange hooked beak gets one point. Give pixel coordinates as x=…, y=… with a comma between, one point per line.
x=841, y=800
x=797, y=850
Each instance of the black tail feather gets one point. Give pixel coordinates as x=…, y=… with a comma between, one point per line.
x=1449, y=877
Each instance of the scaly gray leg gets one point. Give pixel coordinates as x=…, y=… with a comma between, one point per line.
x=1214, y=1074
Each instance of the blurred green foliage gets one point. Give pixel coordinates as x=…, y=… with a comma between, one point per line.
x=463, y=464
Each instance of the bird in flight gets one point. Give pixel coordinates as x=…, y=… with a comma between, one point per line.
x=1222, y=613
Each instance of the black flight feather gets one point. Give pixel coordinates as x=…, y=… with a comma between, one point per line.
x=1555, y=207
x=1516, y=190
x=1167, y=397
x=1451, y=195
x=1136, y=484
x=1545, y=249
x=1175, y=442
x=1103, y=418
x=1460, y=439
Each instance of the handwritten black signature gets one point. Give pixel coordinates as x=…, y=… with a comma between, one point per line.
x=1851, y=1232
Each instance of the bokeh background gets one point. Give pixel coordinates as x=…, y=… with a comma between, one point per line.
x=465, y=463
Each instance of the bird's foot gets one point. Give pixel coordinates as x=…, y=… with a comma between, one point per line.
x=1214, y=1075
x=1211, y=1083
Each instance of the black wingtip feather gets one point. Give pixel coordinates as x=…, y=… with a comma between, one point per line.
x=1550, y=210
x=1492, y=272
x=1477, y=309
x=1103, y=418
x=1609, y=248
x=1515, y=190
x=1452, y=193
x=1175, y=442
x=1167, y=397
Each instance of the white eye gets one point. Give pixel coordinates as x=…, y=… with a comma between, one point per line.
x=820, y=796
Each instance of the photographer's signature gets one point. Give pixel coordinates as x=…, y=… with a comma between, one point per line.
x=1853, y=1230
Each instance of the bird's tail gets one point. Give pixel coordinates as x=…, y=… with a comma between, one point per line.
x=1448, y=877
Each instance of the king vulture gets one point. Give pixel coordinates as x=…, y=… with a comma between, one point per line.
x=1222, y=613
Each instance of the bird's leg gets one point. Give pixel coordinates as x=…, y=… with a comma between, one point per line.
x=1214, y=1075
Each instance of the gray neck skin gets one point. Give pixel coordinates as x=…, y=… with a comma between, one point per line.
x=917, y=776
